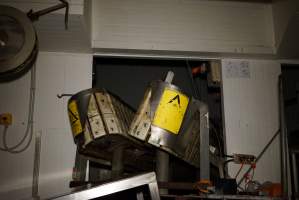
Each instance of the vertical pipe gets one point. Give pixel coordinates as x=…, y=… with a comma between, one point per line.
x=117, y=162
x=87, y=172
x=80, y=167
x=204, y=144
x=288, y=169
x=284, y=174
x=36, y=166
x=295, y=173
x=162, y=166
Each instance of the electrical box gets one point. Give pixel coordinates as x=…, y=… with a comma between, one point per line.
x=6, y=119
x=244, y=159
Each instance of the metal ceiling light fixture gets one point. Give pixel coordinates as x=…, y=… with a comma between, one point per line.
x=18, y=39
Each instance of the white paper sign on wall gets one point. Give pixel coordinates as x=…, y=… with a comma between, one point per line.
x=236, y=69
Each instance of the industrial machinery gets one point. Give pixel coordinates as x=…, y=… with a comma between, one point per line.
x=168, y=120
x=174, y=122
x=95, y=113
x=100, y=122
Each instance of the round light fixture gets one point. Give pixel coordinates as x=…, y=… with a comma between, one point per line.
x=18, y=43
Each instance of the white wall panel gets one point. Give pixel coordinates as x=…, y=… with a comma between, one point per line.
x=54, y=37
x=183, y=25
x=56, y=73
x=251, y=114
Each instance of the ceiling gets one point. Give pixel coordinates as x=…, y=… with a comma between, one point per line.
x=53, y=36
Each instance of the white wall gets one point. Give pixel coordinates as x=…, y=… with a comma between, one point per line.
x=183, y=25
x=251, y=114
x=250, y=111
x=56, y=73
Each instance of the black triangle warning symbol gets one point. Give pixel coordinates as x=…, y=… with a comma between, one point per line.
x=177, y=97
x=73, y=117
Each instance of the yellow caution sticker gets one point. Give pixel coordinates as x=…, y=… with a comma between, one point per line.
x=74, y=118
x=171, y=110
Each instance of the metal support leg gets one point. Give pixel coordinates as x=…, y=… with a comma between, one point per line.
x=295, y=174
x=162, y=167
x=79, y=171
x=139, y=196
x=153, y=188
x=283, y=143
x=162, y=164
x=117, y=162
x=204, y=144
x=36, y=168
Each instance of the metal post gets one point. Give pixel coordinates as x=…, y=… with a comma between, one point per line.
x=139, y=196
x=79, y=171
x=284, y=174
x=295, y=174
x=162, y=162
x=117, y=162
x=36, y=166
x=260, y=154
x=162, y=166
x=204, y=144
x=154, y=191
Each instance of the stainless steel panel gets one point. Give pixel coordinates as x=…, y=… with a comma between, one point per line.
x=106, y=120
x=185, y=144
x=114, y=187
x=100, y=114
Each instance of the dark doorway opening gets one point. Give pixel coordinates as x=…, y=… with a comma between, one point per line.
x=128, y=79
x=290, y=78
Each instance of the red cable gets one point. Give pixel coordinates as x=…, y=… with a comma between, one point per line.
x=239, y=171
x=253, y=166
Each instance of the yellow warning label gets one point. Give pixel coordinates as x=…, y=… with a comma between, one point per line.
x=74, y=118
x=171, y=111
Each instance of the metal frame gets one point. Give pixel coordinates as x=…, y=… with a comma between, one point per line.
x=222, y=197
x=204, y=143
x=295, y=172
x=283, y=141
x=116, y=186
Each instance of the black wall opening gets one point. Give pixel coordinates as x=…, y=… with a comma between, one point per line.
x=128, y=79
x=290, y=78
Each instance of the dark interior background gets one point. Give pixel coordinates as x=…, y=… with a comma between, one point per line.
x=290, y=75
x=128, y=78
x=291, y=97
